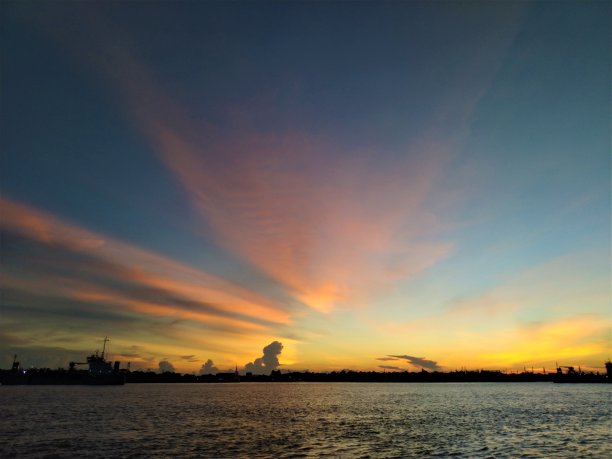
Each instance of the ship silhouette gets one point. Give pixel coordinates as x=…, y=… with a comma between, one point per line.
x=99, y=372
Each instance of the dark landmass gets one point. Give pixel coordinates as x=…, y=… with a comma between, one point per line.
x=61, y=376
x=371, y=376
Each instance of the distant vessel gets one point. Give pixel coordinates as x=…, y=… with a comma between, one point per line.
x=571, y=375
x=100, y=372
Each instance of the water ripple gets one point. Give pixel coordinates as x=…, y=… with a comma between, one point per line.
x=307, y=420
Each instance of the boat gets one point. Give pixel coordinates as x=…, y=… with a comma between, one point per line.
x=99, y=372
x=571, y=375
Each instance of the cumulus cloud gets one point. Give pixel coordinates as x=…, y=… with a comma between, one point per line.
x=417, y=361
x=267, y=362
x=165, y=366
x=209, y=368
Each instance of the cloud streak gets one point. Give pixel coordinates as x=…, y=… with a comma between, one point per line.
x=332, y=225
x=69, y=259
x=57, y=270
x=327, y=229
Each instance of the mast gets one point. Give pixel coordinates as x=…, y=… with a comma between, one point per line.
x=104, y=346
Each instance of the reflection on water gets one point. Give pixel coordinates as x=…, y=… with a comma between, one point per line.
x=307, y=420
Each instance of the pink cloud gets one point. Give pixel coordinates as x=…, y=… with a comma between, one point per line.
x=333, y=227
x=118, y=273
x=328, y=229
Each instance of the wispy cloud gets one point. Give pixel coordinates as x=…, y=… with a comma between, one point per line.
x=58, y=270
x=328, y=230
x=66, y=260
x=333, y=225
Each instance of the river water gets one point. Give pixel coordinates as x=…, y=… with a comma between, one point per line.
x=307, y=420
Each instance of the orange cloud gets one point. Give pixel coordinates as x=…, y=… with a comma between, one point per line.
x=328, y=226
x=327, y=229
x=128, y=275
x=333, y=227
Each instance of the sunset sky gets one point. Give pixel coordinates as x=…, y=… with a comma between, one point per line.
x=397, y=185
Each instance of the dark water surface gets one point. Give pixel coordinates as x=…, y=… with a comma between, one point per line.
x=307, y=420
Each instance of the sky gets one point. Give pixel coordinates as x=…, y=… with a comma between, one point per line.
x=306, y=185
